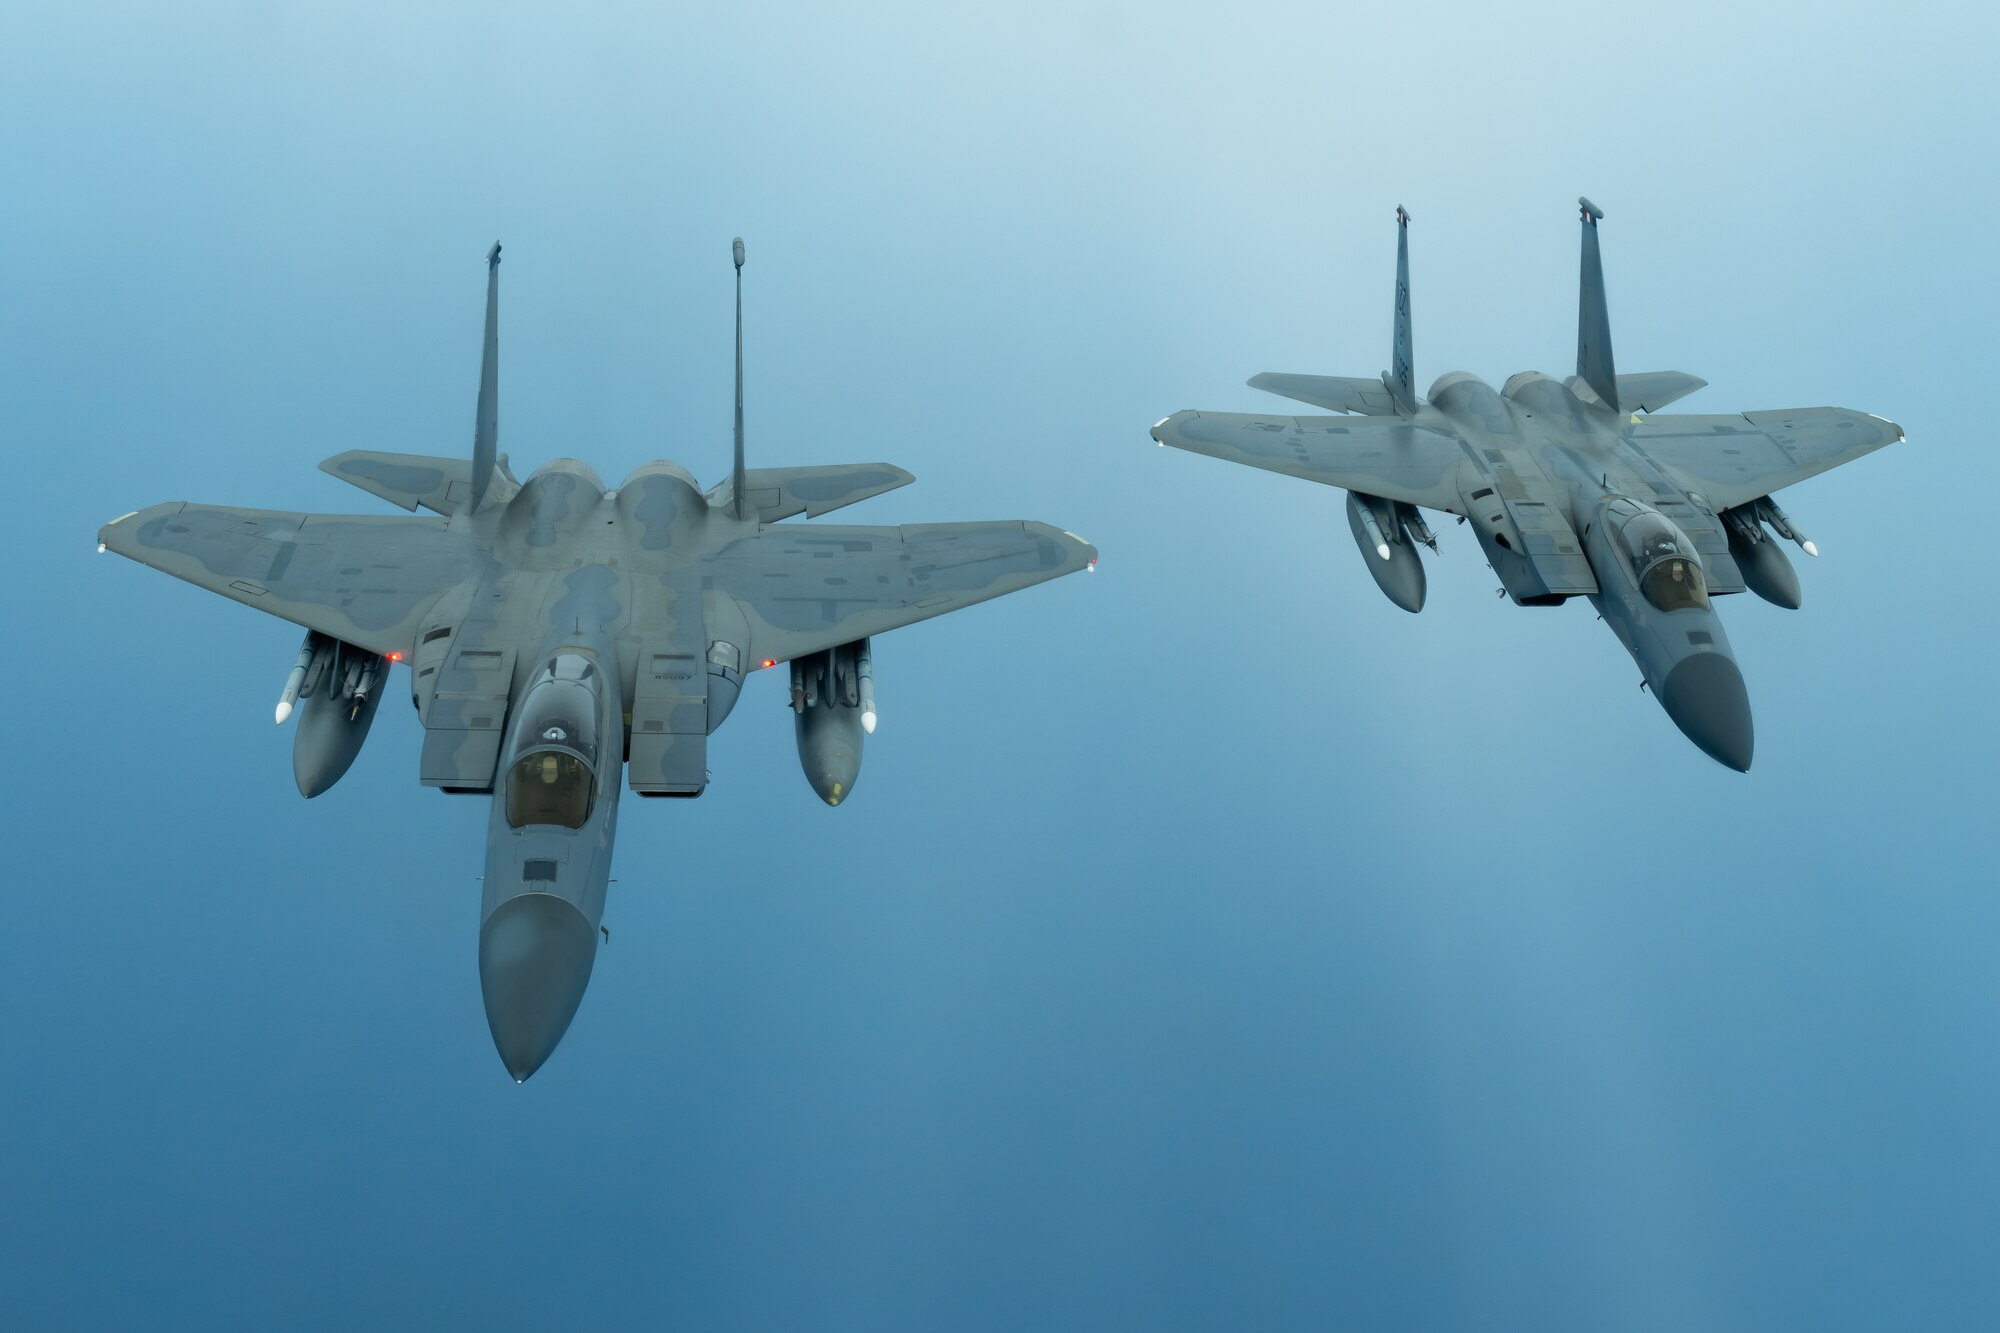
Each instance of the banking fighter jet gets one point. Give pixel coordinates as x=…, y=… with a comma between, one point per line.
x=555, y=632
x=1574, y=488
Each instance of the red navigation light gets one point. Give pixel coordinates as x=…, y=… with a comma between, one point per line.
x=395, y=657
x=770, y=661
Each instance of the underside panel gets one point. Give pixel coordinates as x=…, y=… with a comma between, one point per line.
x=1732, y=460
x=803, y=590
x=1383, y=456
x=669, y=736
x=363, y=579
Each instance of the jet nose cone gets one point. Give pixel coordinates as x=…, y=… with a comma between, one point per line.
x=1704, y=695
x=535, y=955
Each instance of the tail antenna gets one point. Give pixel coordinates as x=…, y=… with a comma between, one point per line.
x=736, y=487
x=486, y=419
x=1401, y=375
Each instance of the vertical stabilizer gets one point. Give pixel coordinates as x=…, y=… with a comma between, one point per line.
x=1401, y=377
x=736, y=485
x=486, y=422
x=1593, y=319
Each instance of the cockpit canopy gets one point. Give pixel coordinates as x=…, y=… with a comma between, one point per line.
x=1663, y=559
x=551, y=788
x=552, y=782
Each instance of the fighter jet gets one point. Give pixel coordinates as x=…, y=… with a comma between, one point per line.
x=554, y=630
x=1574, y=488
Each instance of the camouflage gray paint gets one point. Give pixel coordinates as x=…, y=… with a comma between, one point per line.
x=1568, y=488
x=668, y=595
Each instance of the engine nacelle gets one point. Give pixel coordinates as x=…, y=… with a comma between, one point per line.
x=342, y=687
x=1390, y=553
x=833, y=706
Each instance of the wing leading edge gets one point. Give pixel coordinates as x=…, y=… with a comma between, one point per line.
x=1383, y=456
x=804, y=590
x=366, y=580
x=1732, y=460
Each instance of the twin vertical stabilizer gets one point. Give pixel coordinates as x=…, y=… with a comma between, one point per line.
x=1401, y=377
x=738, y=484
x=1594, y=365
x=486, y=421
x=764, y=495
x=1593, y=319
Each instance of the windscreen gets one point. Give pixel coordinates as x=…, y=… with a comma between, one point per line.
x=553, y=784
x=1674, y=584
x=1665, y=562
x=551, y=787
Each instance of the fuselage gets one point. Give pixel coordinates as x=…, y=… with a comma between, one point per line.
x=1548, y=480
x=564, y=641
x=571, y=569
x=548, y=849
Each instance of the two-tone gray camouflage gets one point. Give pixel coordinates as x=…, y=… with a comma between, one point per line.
x=555, y=629
x=1573, y=488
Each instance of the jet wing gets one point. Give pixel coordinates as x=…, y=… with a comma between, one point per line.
x=1385, y=456
x=1732, y=460
x=365, y=579
x=803, y=589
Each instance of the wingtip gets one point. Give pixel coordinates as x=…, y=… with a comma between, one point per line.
x=1083, y=553
x=1161, y=427
x=104, y=533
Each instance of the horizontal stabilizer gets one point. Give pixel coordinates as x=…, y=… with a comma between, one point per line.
x=1653, y=390
x=441, y=485
x=774, y=493
x=1335, y=393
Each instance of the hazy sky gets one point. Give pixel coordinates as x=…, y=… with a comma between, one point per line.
x=1208, y=944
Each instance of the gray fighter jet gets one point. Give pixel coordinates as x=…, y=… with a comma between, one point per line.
x=1574, y=489
x=553, y=629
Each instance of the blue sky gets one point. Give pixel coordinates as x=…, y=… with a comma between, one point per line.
x=1208, y=943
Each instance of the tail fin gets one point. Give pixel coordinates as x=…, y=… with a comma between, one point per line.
x=486, y=421
x=738, y=484
x=1401, y=375
x=1593, y=319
